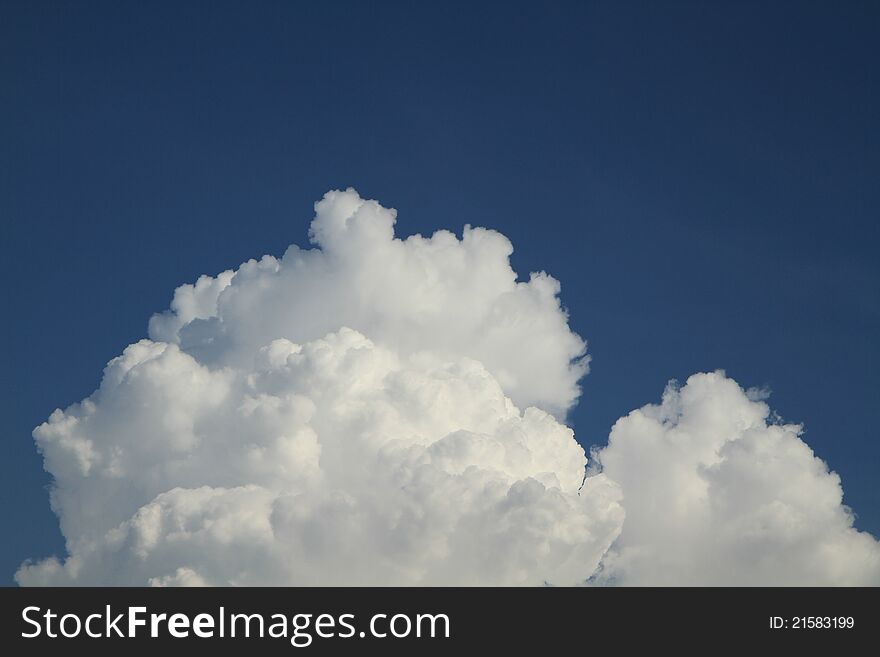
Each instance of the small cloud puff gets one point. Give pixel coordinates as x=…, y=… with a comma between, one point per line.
x=718, y=492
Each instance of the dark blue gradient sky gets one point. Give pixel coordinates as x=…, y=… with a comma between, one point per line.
x=702, y=178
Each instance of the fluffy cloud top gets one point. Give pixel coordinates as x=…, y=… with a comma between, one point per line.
x=386, y=411
x=454, y=298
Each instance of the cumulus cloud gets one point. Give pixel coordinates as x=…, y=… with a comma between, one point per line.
x=453, y=297
x=719, y=492
x=384, y=411
x=348, y=414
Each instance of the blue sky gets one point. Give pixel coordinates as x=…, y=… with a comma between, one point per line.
x=701, y=177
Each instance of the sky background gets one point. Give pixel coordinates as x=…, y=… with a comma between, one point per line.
x=701, y=177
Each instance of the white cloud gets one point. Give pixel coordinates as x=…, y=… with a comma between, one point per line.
x=455, y=298
x=351, y=414
x=259, y=437
x=717, y=492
